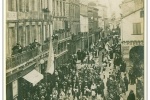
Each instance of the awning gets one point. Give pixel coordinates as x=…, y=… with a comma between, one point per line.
x=33, y=77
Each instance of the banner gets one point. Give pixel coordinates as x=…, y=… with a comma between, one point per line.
x=50, y=63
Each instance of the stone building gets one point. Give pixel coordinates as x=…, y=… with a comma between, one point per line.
x=27, y=20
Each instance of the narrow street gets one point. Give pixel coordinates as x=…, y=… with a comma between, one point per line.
x=105, y=74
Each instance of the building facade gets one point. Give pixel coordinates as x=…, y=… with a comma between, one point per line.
x=132, y=37
x=84, y=29
x=27, y=21
x=73, y=23
x=134, y=19
x=94, y=34
x=61, y=29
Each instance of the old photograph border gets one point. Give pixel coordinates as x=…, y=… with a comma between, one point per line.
x=146, y=39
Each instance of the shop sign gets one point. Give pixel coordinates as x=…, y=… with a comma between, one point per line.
x=15, y=88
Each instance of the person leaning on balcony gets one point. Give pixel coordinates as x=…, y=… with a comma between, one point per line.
x=35, y=44
x=17, y=49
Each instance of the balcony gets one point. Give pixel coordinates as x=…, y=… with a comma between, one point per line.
x=21, y=58
x=17, y=60
x=62, y=35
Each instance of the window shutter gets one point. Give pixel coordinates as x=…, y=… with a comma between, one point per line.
x=141, y=14
x=139, y=28
x=134, y=28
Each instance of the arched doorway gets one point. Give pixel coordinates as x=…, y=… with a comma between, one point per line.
x=136, y=56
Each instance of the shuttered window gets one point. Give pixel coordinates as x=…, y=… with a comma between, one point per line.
x=20, y=5
x=27, y=35
x=11, y=40
x=20, y=35
x=27, y=5
x=11, y=5
x=137, y=28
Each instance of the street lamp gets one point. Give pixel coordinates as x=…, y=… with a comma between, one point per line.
x=41, y=63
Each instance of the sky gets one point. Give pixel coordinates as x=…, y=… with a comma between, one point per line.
x=113, y=6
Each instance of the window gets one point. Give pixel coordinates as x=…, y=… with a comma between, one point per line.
x=21, y=5
x=64, y=8
x=137, y=28
x=33, y=32
x=57, y=8
x=11, y=5
x=40, y=34
x=54, y=7
x=20, y=35
x=28, y=35
x=61, y=8
x=27, y=5
x=33, y=5
x=10, y=40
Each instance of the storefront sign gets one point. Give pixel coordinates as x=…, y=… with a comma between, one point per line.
x=15, y=88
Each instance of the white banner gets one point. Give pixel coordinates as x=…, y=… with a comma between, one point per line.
x=15, y=88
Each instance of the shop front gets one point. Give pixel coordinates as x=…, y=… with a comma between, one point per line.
x=22, y=82
x=28, y=83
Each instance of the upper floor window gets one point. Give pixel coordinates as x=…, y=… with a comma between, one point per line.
x=27, y=5
x=11, y=5
x=137, y=28
x=33, y=5
x=20, y=5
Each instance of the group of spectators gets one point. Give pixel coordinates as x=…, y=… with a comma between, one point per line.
x=18, y=48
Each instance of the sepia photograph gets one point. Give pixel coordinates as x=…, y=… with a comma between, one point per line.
x=74, y=49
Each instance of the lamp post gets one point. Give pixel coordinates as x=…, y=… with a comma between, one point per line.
x=41, y=63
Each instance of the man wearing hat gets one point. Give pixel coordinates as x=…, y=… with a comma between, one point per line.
x=93, y=91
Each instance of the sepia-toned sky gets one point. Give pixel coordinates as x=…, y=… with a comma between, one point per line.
x=113, y=6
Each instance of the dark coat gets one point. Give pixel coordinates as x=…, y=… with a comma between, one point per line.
x=131, y=96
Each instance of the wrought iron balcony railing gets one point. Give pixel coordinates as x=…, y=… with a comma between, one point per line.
x=18, y=59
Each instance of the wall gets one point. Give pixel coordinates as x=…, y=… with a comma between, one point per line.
x=127, y=27
x=83, y=24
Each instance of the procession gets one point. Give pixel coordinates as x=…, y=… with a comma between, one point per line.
x=89, y=76
x=74, y=50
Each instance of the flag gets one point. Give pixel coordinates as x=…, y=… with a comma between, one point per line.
x=50, y=63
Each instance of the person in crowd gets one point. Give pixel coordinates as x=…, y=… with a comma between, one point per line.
x=69, y=92
x=17, y=49
x=61, y=95
x=131, y=95
x=139, y=89
x=76, y=93
x=111, y=53
x=79, y=54
x=122, y=85
x=35, y=44
x=126, y=82
x=102, y=87
x=86, y=92
x=103, y=56
x=93, y=91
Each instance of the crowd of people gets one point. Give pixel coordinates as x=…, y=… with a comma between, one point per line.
x=70, y=83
